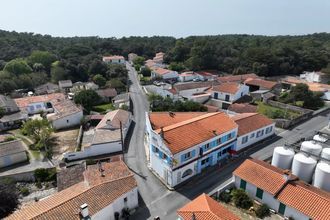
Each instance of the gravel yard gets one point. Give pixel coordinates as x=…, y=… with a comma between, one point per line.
x=65, y=141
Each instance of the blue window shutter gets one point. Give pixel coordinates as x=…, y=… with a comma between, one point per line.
x=182, y=158
x=224, y=139
x=233, y=134
x=193, y=153
x=153, y=148
x=160, y=154
x=168, y=160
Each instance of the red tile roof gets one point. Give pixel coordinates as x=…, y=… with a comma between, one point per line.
x=205, y=208
x=185, y=134
x=97, y=191
x=54, y=98
x=248, y=122
x=236, y=78
x=107, y=92
x=112, y=119
x=228, y=87
x=261, y=83
x=242, y=108
x=161, y=71
x=115, y=57
x=313, y=202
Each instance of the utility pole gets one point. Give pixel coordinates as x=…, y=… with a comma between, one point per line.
x=121, y=140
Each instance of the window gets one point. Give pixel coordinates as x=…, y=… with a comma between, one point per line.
x=219, y=154
x=259, y=193
x=227, y=98
x=187, y=173
x=281, y=208
x=269, y=129
x=205, y=161
x=252, y=135
x=260, y=133
x=245, y=139
x=243, y=184
x=164, y=156
x=125, y=199
x=67, y=121
x=225, y=150
x=218, y=141
x=207, y=146
x=187, y=156
x=229, y=136
x=216, y=95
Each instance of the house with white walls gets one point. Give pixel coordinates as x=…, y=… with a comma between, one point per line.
x=164, y=74
x=282, y=191
x=114, y=60
x=187, y=76
x=317, y=77
x=106, y=137
x=252, y=128
x=108, y=190
x=181, y=144
x=226, y=93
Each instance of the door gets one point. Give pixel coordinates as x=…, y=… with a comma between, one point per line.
x=281, y=209
x=227, y=98
x=216, y=95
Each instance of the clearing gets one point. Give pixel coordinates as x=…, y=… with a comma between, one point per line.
x=65, y=141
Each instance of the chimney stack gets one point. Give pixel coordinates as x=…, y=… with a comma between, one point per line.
x=162, y=132
x=84, y=210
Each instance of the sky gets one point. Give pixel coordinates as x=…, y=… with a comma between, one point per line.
x=178, y=18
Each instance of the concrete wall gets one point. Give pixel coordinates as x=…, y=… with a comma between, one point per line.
x=108, y=213
x=269, y=199
x=190, y=92
x=12, y=159
x=68, y=121
x=252, y=137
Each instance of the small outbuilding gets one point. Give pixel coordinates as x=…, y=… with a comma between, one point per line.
x=11, y=153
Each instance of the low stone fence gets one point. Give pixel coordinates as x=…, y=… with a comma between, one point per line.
x=286, y=123
x=79, y=138
x=21, y=177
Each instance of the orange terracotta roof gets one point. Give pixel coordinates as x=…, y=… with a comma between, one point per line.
x=185, y=134
x=236, y=78
x=313, y=202
x=228, y=87
x=163, y=119
x=54, y=98
x=115, y=57
x=248, y=122
x=261, y=83
x=161, y=71
x=98, y=194
x=315, y=87
x=112, y=119
x=242, y=108
x=205, y=208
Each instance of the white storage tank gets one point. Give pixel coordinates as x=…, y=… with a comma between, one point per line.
x=325, y=153
x=311, y=147
x=322, y=176
x=319, y=138
x=282, y=157
x=303, y=166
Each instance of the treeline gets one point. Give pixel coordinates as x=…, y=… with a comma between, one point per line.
x=235, y=54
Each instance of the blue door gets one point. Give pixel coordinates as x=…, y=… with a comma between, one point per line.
x=216, y=95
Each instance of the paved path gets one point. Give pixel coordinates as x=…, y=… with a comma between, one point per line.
x=155, y=199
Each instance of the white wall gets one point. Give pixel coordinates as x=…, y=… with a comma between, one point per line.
x=117, y=61
x=190, y=92
x=185, y=78
x=254, y=139
x=68, y=121
x=170, y=75
x=269, y=199
x=243, y=90
x=105, y=148
x=12, y=159
x=108, y=213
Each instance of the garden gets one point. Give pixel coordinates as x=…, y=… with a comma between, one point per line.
x=276, y=112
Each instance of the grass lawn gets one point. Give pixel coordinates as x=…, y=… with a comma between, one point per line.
x=103, y=108
x=274, y=112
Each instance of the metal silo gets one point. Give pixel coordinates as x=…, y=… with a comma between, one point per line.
x=282, y=157
x=311, y=147
x=303, y=166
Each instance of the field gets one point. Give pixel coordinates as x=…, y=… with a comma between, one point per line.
x=274, y=112
x=103, y=108
x=65, y=141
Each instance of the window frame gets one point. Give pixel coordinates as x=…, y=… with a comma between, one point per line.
x=243, y=184
x=259, y=193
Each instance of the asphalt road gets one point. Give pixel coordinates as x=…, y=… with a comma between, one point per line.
x=156, y=199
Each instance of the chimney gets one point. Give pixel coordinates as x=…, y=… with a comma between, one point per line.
x=162, y=132
x=215, y=132
x=172, y=114
x=84, y=210
x=101, y=169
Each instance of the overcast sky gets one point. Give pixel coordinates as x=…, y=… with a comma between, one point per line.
x=179, y=18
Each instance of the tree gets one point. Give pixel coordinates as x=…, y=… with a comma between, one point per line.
x=38, y=78
x=98, y=67
x=99, y=80
x=176, y=66
x=241, y=199
x=17, y=66
x=2, y=112
x=139, y=61
x=146, y=72
x=42, y=57
x=9, y=197
x=57, y=72
x=40, y=131
x=262, y=211
x=87, y=98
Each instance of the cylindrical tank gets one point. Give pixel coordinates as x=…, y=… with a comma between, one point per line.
x=311, y=147
x=319, y=138
x=303, y=167
x=282, y=157
x=322, y=176
x=325, y=153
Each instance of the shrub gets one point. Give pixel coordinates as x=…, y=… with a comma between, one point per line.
x=10, y=138
x=38, y=185
x=43, y=175
x=24, y=191
x=225, y=197
x=241, y=199
x=262, y=211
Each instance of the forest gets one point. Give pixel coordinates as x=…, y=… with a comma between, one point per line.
x=33, y=58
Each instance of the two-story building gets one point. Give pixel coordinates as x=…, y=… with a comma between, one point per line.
x=114, y=60
x=181, y=145
x=225, y=94
x=164, y=74
x=282, y=191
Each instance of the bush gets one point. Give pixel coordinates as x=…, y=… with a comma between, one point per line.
x=43, y=175
x=24, y=191
x=38, y=185
x=225, y=197
x=241, y=199
x=262, y=211
x=10, y=138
